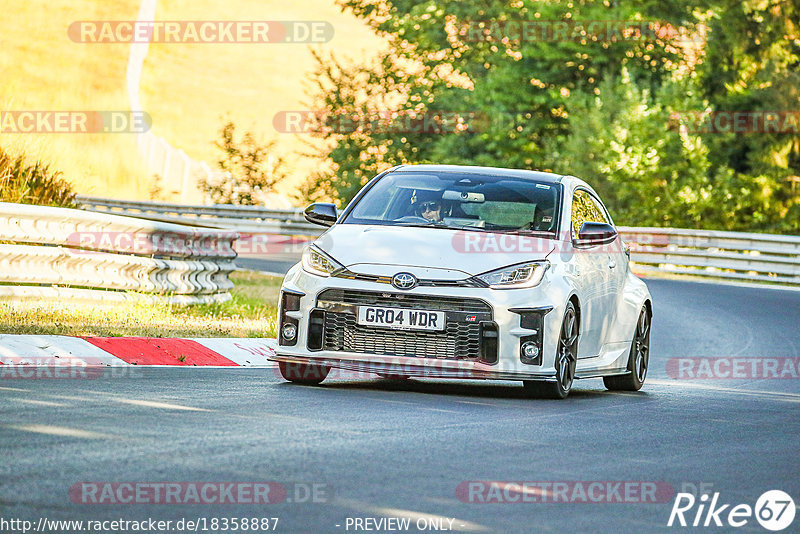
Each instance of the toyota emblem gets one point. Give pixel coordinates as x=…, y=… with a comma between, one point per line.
x=404, y=281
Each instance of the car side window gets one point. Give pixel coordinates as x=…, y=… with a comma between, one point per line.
x=585, y=209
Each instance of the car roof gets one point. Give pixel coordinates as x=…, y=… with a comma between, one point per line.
x=490, y=171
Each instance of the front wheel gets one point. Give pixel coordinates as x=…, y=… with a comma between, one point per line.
x=566, y=361
x=308, y=374
x=638, y=360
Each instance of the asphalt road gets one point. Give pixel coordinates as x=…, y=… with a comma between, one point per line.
x=278, y=263
x=379, y=449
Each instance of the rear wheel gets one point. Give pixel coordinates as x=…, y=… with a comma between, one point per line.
x=308, y=374
x=566, y=360
x=638, y=360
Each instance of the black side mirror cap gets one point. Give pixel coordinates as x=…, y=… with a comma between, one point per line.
x=596, y=233
x=322, y=213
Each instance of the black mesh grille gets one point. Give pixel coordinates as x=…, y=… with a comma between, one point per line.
x=460, y=339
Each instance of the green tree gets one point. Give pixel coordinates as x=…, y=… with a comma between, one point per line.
x=627, y=144
x=752, y=64
x=445, y=56
x=249, y=169
x=603, y=109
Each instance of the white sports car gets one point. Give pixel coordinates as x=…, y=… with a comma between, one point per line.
x=467, y=272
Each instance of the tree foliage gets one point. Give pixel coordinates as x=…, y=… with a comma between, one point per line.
x=608, y=109
x=249, y=169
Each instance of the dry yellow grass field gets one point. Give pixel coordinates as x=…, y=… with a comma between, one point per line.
x=41, y=69
x=188, y=89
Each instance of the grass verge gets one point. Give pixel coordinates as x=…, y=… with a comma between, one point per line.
x=251, y=312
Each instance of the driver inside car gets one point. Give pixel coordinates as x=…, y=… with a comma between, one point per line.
x=430, y=210
x=428, y=205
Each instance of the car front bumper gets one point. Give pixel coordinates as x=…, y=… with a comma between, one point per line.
x=516, y=315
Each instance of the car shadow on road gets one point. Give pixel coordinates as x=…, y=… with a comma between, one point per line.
x=475, y=388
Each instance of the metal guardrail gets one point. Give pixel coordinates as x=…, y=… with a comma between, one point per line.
x=240, y=218
x=746, y=257
x=50, y=252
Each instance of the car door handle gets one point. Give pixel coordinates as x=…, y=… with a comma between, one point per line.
x=612, y=264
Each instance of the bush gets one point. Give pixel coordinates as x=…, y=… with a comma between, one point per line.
x=35, y=183
x=249, y=169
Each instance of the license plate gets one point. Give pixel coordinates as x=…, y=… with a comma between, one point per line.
x=401, y=318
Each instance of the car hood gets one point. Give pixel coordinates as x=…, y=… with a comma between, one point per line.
x=428, y=252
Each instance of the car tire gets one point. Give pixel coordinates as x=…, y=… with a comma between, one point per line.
x=307, y=374
x=638, y=358
x=565, y=362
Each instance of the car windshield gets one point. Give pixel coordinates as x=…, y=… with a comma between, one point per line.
x=460, y=200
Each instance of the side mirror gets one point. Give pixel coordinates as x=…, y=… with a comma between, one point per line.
x=321, y=213
x=596, y=233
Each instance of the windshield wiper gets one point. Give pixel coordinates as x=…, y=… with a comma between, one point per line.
x=433, y=224
x=470, y=228
x=430, y=224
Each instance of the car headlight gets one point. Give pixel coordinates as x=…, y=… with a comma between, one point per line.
x=515, y=276
x=317, y=262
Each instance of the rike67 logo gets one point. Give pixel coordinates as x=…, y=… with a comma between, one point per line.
x=774, y=510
